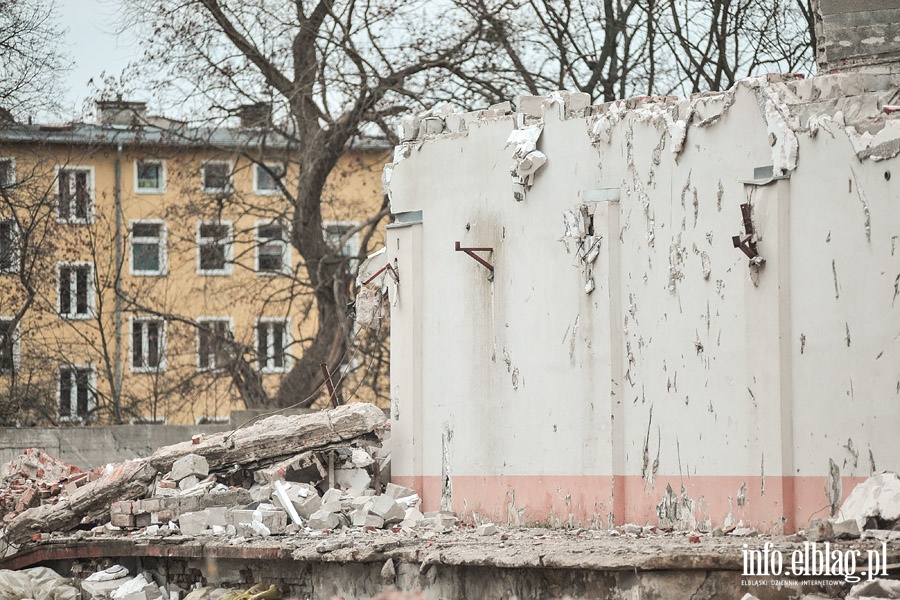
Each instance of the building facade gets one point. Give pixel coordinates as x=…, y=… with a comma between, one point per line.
x=146, y=268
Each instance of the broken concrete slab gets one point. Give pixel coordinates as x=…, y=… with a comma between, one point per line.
x=193, y=523
x=878, y=498
x=845, y=530
x=322, y=519
x=271, y=440
x=190, y=464
x=486, y=529
x=820, y=530
x=395, y=491
x=388, y=509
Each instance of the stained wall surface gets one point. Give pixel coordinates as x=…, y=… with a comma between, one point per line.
x=624, y=361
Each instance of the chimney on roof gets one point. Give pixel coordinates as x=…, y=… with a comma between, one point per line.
x=121, y=112
x=255, y=115
x=857, y=35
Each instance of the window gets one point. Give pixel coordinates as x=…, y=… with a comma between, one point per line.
x=7, y=173
x=77, y=395
x=271, y=345
x=9, y=246
x=214, y=248
x=9, y=345
x=216, y=176
x=213, y=335
x=266, y=178
x=75, y=198
x=271, y=248
x=75, y=293
x=150, y=176
x=334, y=232
x=148, y=247
x=148, y=345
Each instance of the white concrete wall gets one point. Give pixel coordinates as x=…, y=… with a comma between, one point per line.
x=688, y=388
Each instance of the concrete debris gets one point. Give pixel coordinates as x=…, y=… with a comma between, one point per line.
x=820, y=530
x=878, y=588
x=873, y=504
x=38, y=583
x=487, y=529
x=190, y=465
x=527, y=159
x=201, y=489
x=846, y=530
x=34, y=478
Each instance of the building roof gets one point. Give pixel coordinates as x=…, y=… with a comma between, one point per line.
x=173, y=134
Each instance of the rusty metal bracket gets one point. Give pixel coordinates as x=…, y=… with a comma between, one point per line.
x=332, y=392
x=747, y=243
x=387, y=267
x=471, y=252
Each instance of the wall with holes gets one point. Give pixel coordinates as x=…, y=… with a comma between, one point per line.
x=630, y=347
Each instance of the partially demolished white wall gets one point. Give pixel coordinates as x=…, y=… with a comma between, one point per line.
x=624, y=362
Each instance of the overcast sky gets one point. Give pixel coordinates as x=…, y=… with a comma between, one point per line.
x=93, y=44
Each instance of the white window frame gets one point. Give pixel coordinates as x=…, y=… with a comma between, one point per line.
x=229, y=185
x=286, y=258
x=15, y=345
x=12, y=170
x=92, y=392
x=73, y=291
x=229, y=249
x=287, y=342
x=91, y=195
x=256, y=189
x=14, y=236
x=353, y=262
x=163, y=247
x=203, y=321
x=161, y=189
x=161, y=344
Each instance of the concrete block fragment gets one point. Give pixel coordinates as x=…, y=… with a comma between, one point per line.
x=332, y=495
x=273, y=520
x=227, y=498
x=322, y=519
x=97, y=590
x=307, y=506
x=193, y=523
x=217, y=516
x=532, y=106
x=486, y=529
x=142, y=520
x=125, y=508
x=188, y=482
x=388, y=509
x=846, y=530
x=362, y=518
x=121, y=520
x=355, y=479
x=412, y=517
x=820, y=530
x=398, y=491
x=190, y=464
x=333, y=506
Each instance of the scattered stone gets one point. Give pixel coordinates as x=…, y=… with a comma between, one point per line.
x=191, y=481
x=190, y=464
x=398, y=491
x=388, y=572
x=846, y=530
x=632, y=529
x=322, y=519
x=744, y=532
x=878, y=588
x=388, y=509
x=820, y=530
x=486, y=529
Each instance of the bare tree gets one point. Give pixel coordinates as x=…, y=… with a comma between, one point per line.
x=332, y=71
x=30, y=58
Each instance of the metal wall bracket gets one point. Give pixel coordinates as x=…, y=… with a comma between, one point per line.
x=471, y=252
x=747, y=242
x=387, y=267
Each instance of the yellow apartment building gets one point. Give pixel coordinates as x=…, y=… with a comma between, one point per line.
x=142, y=260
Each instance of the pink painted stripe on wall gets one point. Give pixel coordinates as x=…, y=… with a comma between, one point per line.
x=770, y=504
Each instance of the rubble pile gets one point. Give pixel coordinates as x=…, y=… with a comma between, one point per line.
x=34, y=478
x=317, y=471
x=872, y=510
